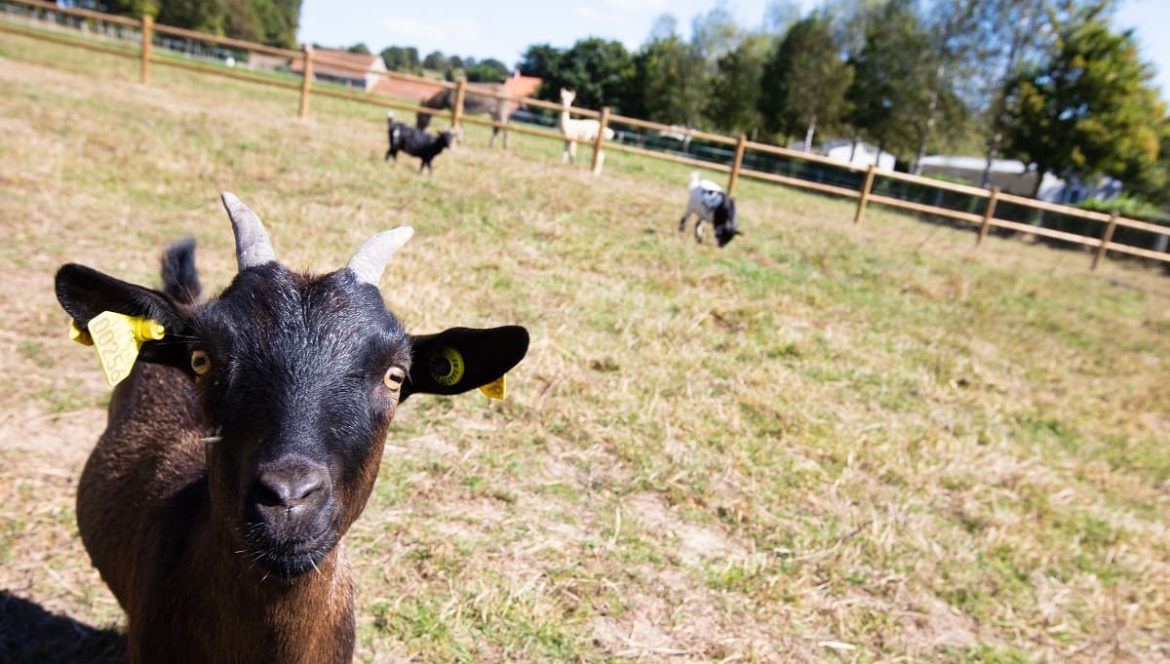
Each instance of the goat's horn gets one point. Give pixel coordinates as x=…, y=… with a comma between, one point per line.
x=370, y=261
x=252, y=244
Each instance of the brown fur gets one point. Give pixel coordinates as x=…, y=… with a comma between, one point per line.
x=144, y=514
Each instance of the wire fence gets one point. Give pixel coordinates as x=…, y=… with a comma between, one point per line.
x=982, y=210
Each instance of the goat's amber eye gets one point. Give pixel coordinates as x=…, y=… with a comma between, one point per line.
x=200, y=362
x=394, y=378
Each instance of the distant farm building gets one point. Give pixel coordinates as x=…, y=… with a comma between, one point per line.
x=344, y=68
x=844, y=150
x=1014, y=177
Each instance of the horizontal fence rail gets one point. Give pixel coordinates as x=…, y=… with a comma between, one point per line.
x=972, y=207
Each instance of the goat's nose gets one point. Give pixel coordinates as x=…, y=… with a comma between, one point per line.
x=291, y=484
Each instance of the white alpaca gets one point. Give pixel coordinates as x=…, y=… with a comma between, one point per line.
x=578, y=130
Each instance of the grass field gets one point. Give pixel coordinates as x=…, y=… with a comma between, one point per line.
x=825, y=442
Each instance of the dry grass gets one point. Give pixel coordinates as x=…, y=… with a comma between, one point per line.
x=825, y=442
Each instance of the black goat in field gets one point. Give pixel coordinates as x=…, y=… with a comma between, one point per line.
x=415, y=142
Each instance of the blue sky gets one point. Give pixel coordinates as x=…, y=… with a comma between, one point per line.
x=504, y=29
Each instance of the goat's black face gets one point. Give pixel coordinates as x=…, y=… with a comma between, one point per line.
x=297, y=376
x=725, y=222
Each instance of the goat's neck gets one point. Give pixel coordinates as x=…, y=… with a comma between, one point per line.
x=307, y=619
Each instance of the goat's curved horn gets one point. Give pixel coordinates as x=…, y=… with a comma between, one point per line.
x=370, y=261
x=252, y=244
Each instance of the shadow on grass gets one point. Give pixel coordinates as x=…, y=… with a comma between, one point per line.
x=29, y=633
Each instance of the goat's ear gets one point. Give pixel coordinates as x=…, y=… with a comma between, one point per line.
x=461, y=359
x=84, y=293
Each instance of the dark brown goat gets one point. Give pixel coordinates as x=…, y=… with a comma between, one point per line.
x=245, y=443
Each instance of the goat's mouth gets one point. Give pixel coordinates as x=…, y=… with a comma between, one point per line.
x=286, y=558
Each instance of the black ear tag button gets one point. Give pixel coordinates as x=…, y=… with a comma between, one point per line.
x=447, y=367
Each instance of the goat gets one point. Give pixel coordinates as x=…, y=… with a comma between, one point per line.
x=247, y=440
x=478, y=99
x=578, y=130
x=415, y=142
x=707, y=201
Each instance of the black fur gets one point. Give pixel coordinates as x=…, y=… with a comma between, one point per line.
x=416, y=143
x=179, y=276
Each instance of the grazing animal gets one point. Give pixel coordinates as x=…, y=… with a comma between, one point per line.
x=476, y=101
x=246, y=441
x=578, y=130
x=415, y=142
x=707, y=201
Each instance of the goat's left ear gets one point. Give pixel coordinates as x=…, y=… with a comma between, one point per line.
x=462, y=358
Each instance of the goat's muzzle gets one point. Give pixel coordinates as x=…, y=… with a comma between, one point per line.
x=289, y=515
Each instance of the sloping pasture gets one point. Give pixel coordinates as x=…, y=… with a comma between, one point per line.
x=824, y=442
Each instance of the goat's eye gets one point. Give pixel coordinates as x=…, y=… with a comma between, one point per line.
x=200, y=362
x=394, y=378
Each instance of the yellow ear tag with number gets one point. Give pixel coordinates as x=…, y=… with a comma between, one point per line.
x=497, y=389
x=118, y=338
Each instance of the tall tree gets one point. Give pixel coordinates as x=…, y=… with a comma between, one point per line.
x=890, y=92
x=541, y=61
x=714, y=33
x=1090, y=108
x=733, y=101
x=668, y=83
x=804, y=82
x=597, y=69
x=435, y=61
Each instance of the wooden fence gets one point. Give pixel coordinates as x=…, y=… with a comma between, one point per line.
x=983, y=204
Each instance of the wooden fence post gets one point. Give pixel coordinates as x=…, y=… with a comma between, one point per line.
x=306, y=80
x=147, y=43
x=598, y=155
x=740, y=148
x=865, y=189
x=457, y=112
x=1105, y=240
x=988, y=215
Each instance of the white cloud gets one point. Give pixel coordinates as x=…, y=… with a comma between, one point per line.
x=456, y=30
x=588, y=12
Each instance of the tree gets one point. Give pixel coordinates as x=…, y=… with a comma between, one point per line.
x=540, y=60
x=201, y=15
x=596, y=68
x=804, y=82
x=779, y=15
x=435, y=61
x=360, y=48
x=733, y=101
x=1090, y=108
x=714, y=33
x=890, y=93
x=488, y=71
x=667, y=84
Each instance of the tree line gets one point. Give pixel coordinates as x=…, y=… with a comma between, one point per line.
x=271, y=22
x=1050, y=82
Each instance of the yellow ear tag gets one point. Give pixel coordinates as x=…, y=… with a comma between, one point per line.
x=497, y=389
x=118, y=339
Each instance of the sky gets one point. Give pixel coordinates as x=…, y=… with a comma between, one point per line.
x=503, y=30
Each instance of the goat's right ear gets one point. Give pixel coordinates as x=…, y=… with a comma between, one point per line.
x=462, y=358
x=84, y=293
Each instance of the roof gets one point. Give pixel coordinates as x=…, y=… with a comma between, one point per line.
x=523, y=86
x=341, y=64
x=405, y=89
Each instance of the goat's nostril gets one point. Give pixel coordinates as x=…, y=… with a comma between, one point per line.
x=288, y=488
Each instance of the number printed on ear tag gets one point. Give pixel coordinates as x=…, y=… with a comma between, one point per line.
x=118, y=338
